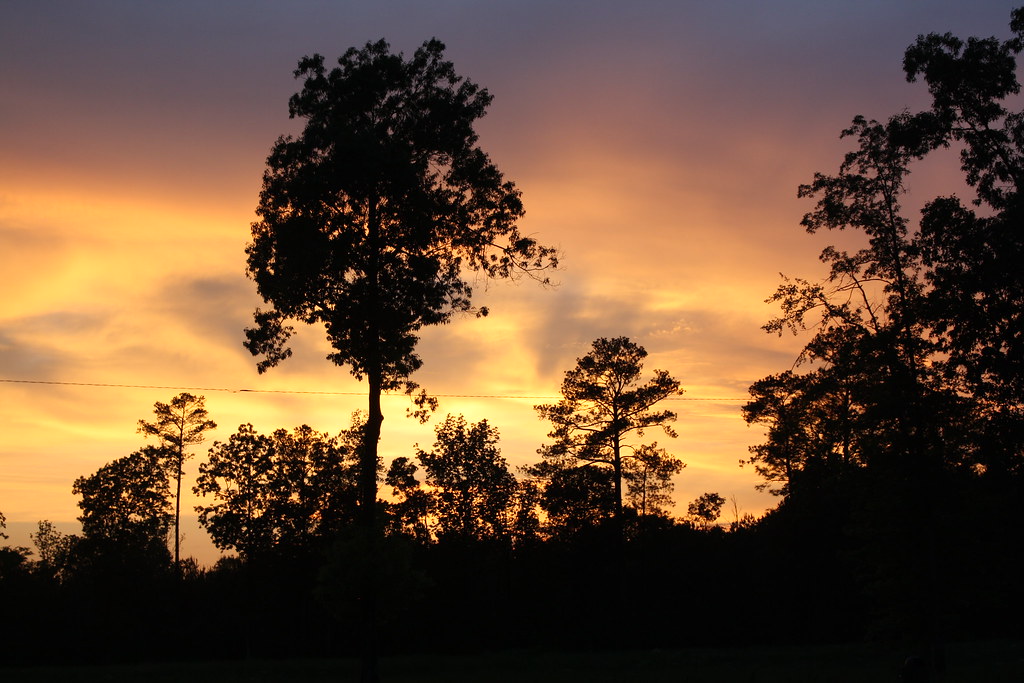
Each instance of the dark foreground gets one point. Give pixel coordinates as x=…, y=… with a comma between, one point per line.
x=992, y=662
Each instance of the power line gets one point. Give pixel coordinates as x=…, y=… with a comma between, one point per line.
x=319, y=393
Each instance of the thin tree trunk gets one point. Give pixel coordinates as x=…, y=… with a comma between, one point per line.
x=177, y=516
x=617, y=468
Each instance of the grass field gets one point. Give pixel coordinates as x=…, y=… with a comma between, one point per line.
x=991, y=662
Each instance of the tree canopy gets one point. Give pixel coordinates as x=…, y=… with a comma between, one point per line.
x=472, y=488
x=126, y=506
x=603, y=403
x=370, y=218
x=285, y=492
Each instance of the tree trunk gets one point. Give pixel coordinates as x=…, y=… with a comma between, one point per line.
x=617, y=479
x=368, y=523
x=368, y=456
x=177, y=514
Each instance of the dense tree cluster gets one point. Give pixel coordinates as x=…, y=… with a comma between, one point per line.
x=904, y=421
x=279, y=493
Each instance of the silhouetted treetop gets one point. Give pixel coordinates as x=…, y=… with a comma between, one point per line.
x=603, y=403
x=370, y=218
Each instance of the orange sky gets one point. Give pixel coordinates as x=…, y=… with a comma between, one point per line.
x=659, y=145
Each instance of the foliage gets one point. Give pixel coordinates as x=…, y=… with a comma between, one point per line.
x=126, y=506
x=648, y=476
x=55, y=551
x=578, y=498
x=369, y=217
x=705, y=510
x=280, y=492
x=13, y=559
x=910, y=389
x=471, y=487
x=603, y=404
x=470, y=494
x=410, y=512
x=179, y=424
x=869, y=342
x=812, y=424
x=973, y=256
x=915, y=360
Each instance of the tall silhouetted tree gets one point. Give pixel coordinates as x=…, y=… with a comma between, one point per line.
x=180, y=424
x=870, y=335
x=972, y=256
x=603, y=405
x=913, y=377
x=370, y=219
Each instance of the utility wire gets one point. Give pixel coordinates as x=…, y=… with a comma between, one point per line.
x=320, y=393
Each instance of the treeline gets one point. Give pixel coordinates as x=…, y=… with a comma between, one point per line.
x=895, y=444
x=469, y=554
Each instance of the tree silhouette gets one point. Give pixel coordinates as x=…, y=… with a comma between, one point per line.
x=370, y=218
x=603, y=403
x=126, y=508
x=179, y=424
x=973, y=257
x=814, y=427
x=870, y=334
x=912, y=386
x=705, y=510
x=278, y=493
x=472, y=490
x=13, y=559
x=648, y=476
x=577, y=498
x=55, y=551
x=409, y=512
x=917, y=346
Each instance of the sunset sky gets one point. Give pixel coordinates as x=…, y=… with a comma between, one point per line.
x=659, y=145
